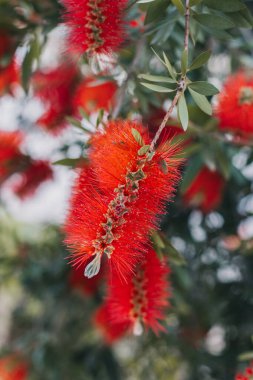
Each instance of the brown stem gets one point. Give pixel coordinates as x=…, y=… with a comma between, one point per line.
x=181, y=83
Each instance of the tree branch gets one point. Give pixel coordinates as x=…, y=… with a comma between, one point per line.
x=181, y=83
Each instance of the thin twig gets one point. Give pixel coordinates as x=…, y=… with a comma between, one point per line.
x=181, y=83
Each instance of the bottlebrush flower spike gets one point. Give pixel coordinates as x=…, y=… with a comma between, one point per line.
x=117, y=200
x=11, y=368
x=30, y=179
x=55, y=89
x=10, y=154
x=205, y=191
x=111, y=331
x=247, y=375
x=235, y=104
x=92, y=97
x=95, y=26
x=143, y=300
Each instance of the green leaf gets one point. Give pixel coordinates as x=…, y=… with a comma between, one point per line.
x=202, y=102
x=163, y=247
x=183, y=112
x=191, y=173
x=225, y=5
x=156, y=11
x=170, y=68
x=76, y=123
x=179, y=5
x=160, y=59
x=71, y=162
x=163, y=166
x=144, y=1
x=214, y=21
x=27, y=65
x=184, y=61
x=137, y=136
x=156, y=78
x=246, y=356
x=143, y=150
x=200, y=60
x=194, y=2
x=155, y=87
x=203, y=88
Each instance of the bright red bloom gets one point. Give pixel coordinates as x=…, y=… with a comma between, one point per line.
x=235, y=104
x=205, y=191
x=11, y=368
x=143, y=300
x=10, y=153
x=247, y=375
x=95, y=26
x=111, y=331
x=55, y=89
x=92, y=96
x=9, y=77
x=117, y=200
x=31, y=178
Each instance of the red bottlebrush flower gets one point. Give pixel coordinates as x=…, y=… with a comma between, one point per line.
x=9, y=153
x=235, y=104
x=11, y=368
x=143, y=300
x=95, y=26
x=117, y=201
x=110, y=331
x=92, y=97
x=9, y=77
x=31, y=178
x=247, y=375
x=205, y=191
x=86, y=286
x=55, y=89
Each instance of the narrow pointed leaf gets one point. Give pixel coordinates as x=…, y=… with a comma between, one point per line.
x=170, y=68
x=137, y=136
x=155, y=87
x=201, y=102
x=200, y=60
x=179, y=5
x=214, y=22
x=183, y=112
x=204, y=88
x=156, y=78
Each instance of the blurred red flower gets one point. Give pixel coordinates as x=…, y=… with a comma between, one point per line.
x=205, y=191
x=9, y=77
x=95, y=26
x=235, y=104
x=10, y=154
x=31, y=178
x=247, y=375
x=12, y=368
x=55, y=88
x=116, y=202
x=92, y=96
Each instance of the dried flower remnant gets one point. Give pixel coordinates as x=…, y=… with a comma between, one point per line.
x=95, y=26
x=116, y=202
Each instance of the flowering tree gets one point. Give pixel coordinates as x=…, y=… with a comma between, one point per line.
x=158, y=96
